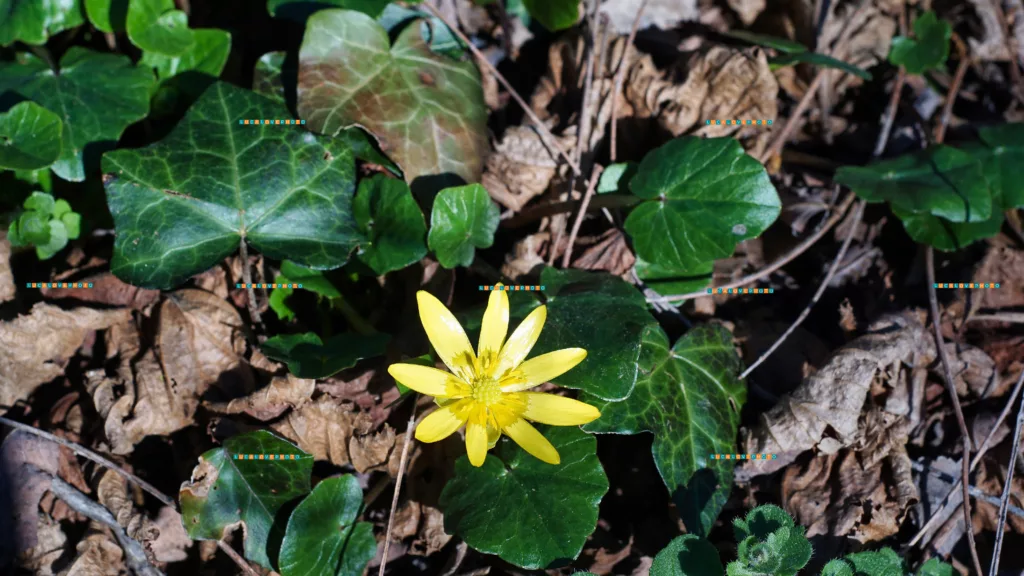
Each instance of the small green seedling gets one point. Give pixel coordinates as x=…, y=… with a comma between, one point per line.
x=46, y=223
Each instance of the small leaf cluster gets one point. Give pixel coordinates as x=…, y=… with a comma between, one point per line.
x=769, y=543
x=929, y=47
x=46, y=223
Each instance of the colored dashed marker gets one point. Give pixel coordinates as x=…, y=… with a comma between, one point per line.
x=744, y=456
x=968, y=285
x=268, y=285
x=58, y=285
x=739, y=122
x=274, y=121
x=268, y=456
x=741, y=290
x=513, y=288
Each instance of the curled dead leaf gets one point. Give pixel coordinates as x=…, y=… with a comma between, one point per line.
x=49, y=548
x=370, y=452
x=112, y=492
x=522, y=166
x=27, y=463
x=172, y=543
x=98, y=554
x=107, y=289
x=6, y=277
x=324, y=428
x=272, y=400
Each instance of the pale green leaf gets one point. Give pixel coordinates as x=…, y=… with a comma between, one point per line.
x=463, y=218
x=58, y=239
x=156, y=26
x=107, y=15
x=34, y=21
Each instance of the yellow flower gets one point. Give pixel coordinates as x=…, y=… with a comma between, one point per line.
x=487, y=391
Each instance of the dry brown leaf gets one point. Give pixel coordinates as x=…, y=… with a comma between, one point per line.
x=432, y=537
x=1005, y=265
x=748, y=10
x=832, y=398
x=32, y=347
x=611, y=253
x=112, y=493
x=272, y=400
x=990, y=44
x=106, y=289
x=49, y=548
x=372, y=391
x=407, y=520
x=990, y=479
x=526, y=256
x=26, y=464
x=323, y=428
x=974, y=372
x=371, y=452
x=869, y=37
x=172, y=544
x=664, y=14
x=522, y=166
x=6, y=277
x=605, y=561
x=98, y=555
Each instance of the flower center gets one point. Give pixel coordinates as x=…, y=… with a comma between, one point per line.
x=486, y=390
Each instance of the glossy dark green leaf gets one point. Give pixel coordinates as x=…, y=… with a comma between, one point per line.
x=225, y=490
x=192, y=72
x=689, y=396
x=157, y=26
x=929, y=47
x=667, y=281
x=687, y=555
x=426, y=110
x=526, y=511
x=107, y=15
x=308, y=356
x=300, y=10
x=463, y=219
x=819, y=60
x=96, y=95
x=33, y=21
x=1002, y=158
x=30, y=137
x=941, y=181
x=554, y=15
x=390, y=219
x=323, y=537
x=781, y=44
x=292, y=273
x=286, y=191
x=702, y=197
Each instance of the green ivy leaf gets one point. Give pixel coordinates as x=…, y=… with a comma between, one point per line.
x=554, y=15
x=300, y=10
x=425, y=109
x=287, y=192
x=58, y=239
x=463, y=218
x=33, y=21
x=191, y=73
x=308, y=356
x=268, y=77
x=96, y=95
x=156, y=26
x=29, y=137
x=526, y=511
x=389, y=217
x=817, y=59
x=884, y=562
x=225, y=491
x=668, y=281
x=107, y=15
x=687, y=555
x=927, y=50
x=689, y=396
x=434, y=31
x=323, y=537
x=941, y=181
x=703, y=196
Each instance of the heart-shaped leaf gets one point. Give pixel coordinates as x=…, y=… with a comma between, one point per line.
x=323, y=537
x=29, y=137
x=687, y=555
x=389, y=217
x=426, y=110
x=308, y=356
x=300, y=10
x=192, y=72
x=667, y=281
x=929, y=47
x=226, y=489
x=107, y=15
x=702, y=197
x=96, y=95
x=285, y=191
x=689, y=396
x=463, y=218
x=941, y=181
x=58, y=239
x=33, y=21
x=554, y=15
x=526, y=511
x=156, y=26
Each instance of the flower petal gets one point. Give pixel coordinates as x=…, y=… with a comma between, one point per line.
x=476, y=439
x=493, y=329
x=522, y=340
x=543, y=368
x=442, y=422
x=428, y=380
x=532, y=441
x=445, y=334
x=558, y=410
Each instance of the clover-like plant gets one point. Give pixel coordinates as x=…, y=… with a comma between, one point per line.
x=46, y=224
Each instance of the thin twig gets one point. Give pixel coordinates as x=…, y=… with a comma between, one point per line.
x=398, y=487
x=146, y=486
x=254, y=312
x=1015, y=76
x=544, y=210
x=1007, y=487
x=594, y=177
x=779, y=138
x=821, y=290
x=620, y=75
x=974, y=461
x=976, y=492
x=958, y=78
x=890, y=115
x=779, y=263
x=482, y=60
x=933, y=302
